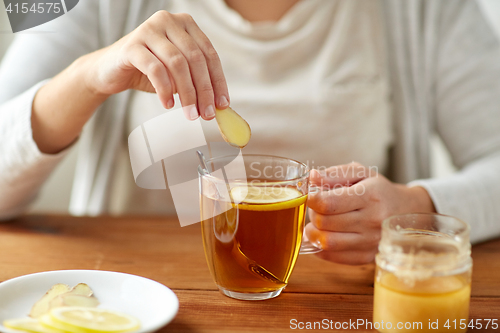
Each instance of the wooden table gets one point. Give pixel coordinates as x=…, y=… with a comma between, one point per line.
x=159, y=249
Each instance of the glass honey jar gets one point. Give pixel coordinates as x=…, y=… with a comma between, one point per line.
x=423, y=274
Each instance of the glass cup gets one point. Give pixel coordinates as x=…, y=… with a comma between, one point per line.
x=423, y=274
x=252, y=225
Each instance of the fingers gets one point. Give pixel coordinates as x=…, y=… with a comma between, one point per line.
x=341, y=241
x=181, y=59
x=214, y=65
x=198, y=67
x=338, y=200
x=344, y=247
x=156, y=72
x=344, y=188
x=347, y=222
x=206, y=85
x=173, y=60
x=341, y=175
x=346, y=214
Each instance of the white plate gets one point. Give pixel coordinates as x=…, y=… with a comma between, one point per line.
x=149, y=301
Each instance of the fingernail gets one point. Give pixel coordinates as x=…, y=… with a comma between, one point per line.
x=223, y=101
x=210, y=111
x=193, y=112
x=170, y=103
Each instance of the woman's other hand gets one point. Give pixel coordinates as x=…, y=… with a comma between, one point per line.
x=347, y=215
x=167, y=54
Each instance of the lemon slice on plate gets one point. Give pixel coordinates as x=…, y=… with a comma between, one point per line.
x=90, y=320
x=28, y=325
x=266, y=198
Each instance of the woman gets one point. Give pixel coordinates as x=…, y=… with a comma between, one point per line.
x=324, y=81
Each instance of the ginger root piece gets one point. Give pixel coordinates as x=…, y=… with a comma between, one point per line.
x=81, y=289
x=234, y=129
x=42, y=305
x=62, y=295
x=70, y=299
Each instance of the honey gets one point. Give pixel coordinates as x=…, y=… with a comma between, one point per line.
x=437, y=300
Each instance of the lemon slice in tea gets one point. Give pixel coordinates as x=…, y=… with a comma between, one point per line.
x=257, y=198
x=260, y=198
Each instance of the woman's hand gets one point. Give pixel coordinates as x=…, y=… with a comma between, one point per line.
x=167, y=54
x=347, y=215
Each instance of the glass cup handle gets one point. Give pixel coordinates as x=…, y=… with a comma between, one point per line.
x=307, y=247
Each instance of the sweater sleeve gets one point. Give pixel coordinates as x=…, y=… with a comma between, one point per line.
x=467, y=117
x=33, y=58
x=23, y=167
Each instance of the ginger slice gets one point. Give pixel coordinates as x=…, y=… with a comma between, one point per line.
x=42, y=305
x=81, y=289
x=55, y=296
x=234, y=129
x=70, y=299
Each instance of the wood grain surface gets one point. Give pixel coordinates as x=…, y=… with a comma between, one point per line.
x=159, y=249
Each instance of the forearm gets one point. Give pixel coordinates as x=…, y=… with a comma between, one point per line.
x=63, y=106
x=472, y=195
